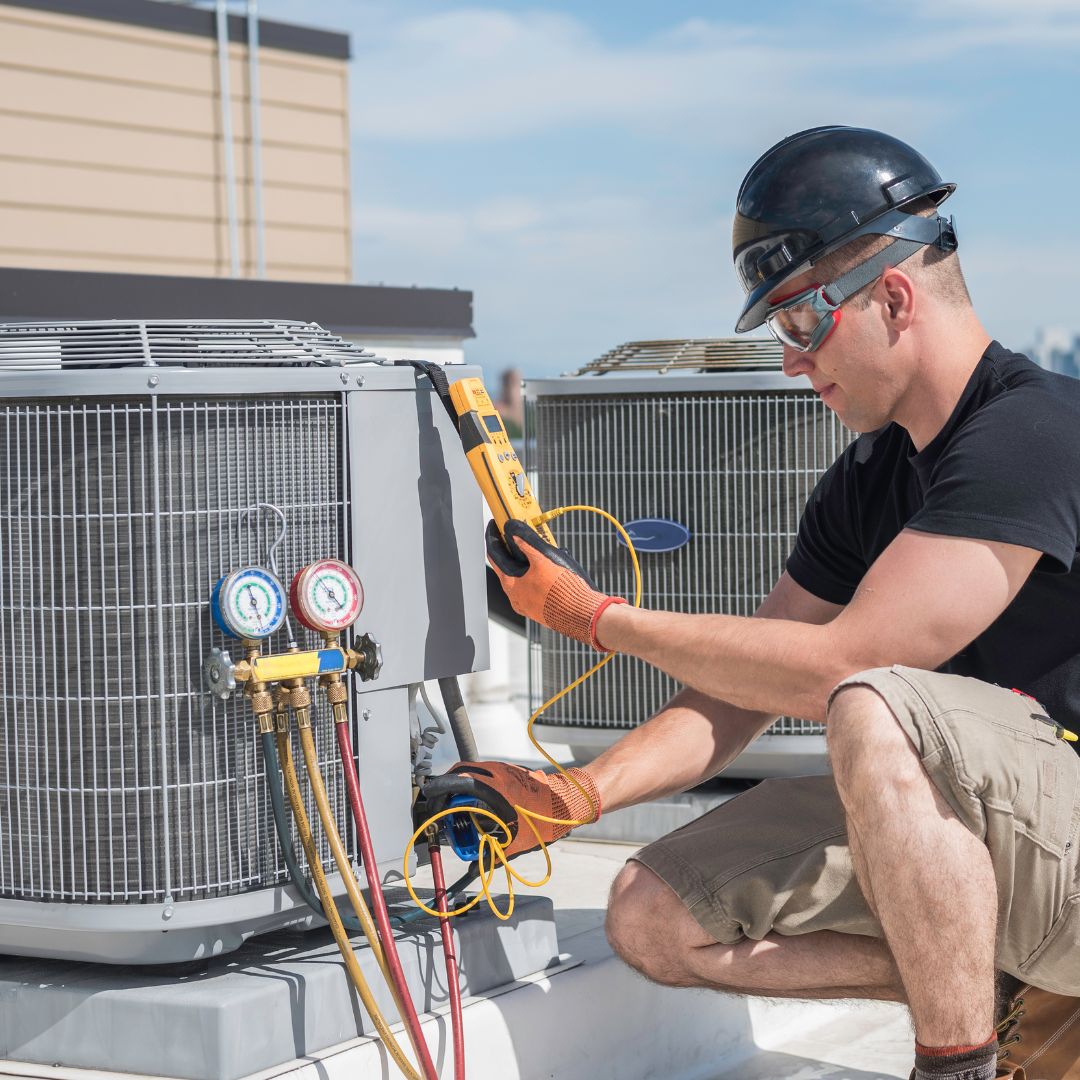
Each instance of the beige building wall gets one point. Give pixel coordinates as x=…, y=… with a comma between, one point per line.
x=111, y=152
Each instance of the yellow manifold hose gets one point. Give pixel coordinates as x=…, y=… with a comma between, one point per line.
x=307, y=841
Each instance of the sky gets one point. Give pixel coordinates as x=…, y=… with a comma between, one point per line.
x=575, y=164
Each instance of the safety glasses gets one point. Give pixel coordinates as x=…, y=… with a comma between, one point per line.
x=803, y=320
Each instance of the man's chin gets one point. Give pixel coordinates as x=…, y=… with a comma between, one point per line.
x=855, y=420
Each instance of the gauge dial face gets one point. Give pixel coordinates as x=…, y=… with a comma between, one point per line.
x=249, y=603
x=327, y=596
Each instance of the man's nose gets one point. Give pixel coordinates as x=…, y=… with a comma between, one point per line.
x=796, y=363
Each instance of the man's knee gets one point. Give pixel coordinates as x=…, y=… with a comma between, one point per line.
x=872, y=756
x=629, y=923
x=859, y=726
x=642, y=917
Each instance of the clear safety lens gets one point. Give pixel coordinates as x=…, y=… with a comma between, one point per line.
x=803, y=321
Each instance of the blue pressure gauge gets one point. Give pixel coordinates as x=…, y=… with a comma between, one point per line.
x=248, y=603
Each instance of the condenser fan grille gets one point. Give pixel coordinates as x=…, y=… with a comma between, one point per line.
x=735, y=467
x=165, y=343
x=121, y=780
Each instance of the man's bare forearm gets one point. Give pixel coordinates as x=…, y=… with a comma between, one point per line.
x=770, y=665
x=692, y=738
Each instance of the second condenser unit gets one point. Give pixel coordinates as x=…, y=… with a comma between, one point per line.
x=707, y=453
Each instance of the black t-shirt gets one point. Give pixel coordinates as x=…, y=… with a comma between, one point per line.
x=1006, y=467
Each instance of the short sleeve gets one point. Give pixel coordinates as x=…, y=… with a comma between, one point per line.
x=1011, y=474
x=827, y=559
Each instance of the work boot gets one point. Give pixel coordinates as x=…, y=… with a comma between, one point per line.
x=1040, y=1036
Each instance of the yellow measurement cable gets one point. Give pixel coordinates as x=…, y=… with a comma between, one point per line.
x=356, y=975
x=492, y=852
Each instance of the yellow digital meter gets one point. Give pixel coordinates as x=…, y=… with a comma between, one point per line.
x=494, y=462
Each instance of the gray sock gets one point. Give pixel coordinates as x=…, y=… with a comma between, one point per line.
x=979, y=1063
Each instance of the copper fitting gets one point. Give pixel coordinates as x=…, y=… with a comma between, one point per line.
x=336, y=693
x=262, y=702
x=281, y=708
x=299, y=696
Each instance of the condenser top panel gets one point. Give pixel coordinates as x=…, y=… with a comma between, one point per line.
x=46, y=346
x=690, y=354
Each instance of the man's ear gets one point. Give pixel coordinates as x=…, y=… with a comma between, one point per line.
x=899, y=297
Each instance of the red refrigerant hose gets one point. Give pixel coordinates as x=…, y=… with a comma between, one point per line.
x=382, y=916
x=456, y=1019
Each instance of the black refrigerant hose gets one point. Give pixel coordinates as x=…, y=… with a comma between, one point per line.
x=458, y=716
x=281, y=825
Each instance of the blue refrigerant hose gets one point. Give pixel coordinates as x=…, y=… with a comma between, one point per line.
x=281, y=824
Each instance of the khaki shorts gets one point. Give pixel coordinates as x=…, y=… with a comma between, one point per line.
x=776, y=860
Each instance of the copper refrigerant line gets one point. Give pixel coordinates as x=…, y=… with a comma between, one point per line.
x=249, y=605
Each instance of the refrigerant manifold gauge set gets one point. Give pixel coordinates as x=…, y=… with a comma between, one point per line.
x=250, y=604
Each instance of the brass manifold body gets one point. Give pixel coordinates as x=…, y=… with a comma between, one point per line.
x=256, y=672
x=288, y=670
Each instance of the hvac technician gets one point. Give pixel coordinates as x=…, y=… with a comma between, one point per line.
x=936, y=568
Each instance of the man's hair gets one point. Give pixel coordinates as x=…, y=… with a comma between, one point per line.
x=933, y=269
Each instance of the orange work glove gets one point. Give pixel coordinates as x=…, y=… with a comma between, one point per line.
x=501, y=788
x=546, y=583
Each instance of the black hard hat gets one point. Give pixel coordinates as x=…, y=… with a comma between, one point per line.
x=816, y=191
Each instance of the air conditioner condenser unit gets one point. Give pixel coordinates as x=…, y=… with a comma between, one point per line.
x=707, y=453
x=136, y=823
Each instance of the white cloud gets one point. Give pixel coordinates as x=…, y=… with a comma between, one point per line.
x=968, y=25
x=482, y=73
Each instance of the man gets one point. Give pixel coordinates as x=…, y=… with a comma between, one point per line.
x=936, y=558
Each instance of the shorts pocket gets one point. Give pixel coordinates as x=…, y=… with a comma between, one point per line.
x=1044, y=804
x=1055, y=964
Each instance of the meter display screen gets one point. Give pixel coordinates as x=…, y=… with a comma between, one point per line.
x=493, y=425
x=327, y=596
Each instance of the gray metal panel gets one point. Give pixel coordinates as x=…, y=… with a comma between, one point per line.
x=153, y=933
x=147, y=382
x=675, y=382
x=417, y=533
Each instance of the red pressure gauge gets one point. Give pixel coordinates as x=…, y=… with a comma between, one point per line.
x=326, y=596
